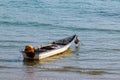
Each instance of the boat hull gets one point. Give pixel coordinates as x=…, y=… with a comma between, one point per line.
x=48, y=50
x=48, y=53
x=54, y=52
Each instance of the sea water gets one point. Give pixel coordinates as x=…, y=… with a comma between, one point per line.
x=36, y=22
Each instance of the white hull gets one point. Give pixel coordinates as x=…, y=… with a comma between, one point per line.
x=44, y=51
x=49, y=53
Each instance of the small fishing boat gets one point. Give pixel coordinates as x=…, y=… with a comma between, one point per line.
x=47, y=50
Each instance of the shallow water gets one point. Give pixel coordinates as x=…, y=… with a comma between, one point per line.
x=37, y=22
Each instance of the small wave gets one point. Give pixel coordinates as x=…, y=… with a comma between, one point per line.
x=5, y=67
x=9, y=67
x=12, y=43
x=9, y=46
x=54, y=26
x=30, y=24
x=10, y=60
x=107, y=49
x=106, y=13
x=89, y=29
x=15, y=41
x=76, y=70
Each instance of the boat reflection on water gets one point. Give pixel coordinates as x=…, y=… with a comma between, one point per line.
x=30, y=62
x=41, y=68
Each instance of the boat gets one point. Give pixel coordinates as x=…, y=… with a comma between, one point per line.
x=31, y=62
x=47, y=50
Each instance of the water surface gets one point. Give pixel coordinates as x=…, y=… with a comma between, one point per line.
x=35, y=22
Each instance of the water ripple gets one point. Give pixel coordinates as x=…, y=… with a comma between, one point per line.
x=32, y=24
x=76, y=70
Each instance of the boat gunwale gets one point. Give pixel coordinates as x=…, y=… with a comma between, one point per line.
x=66, y=40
